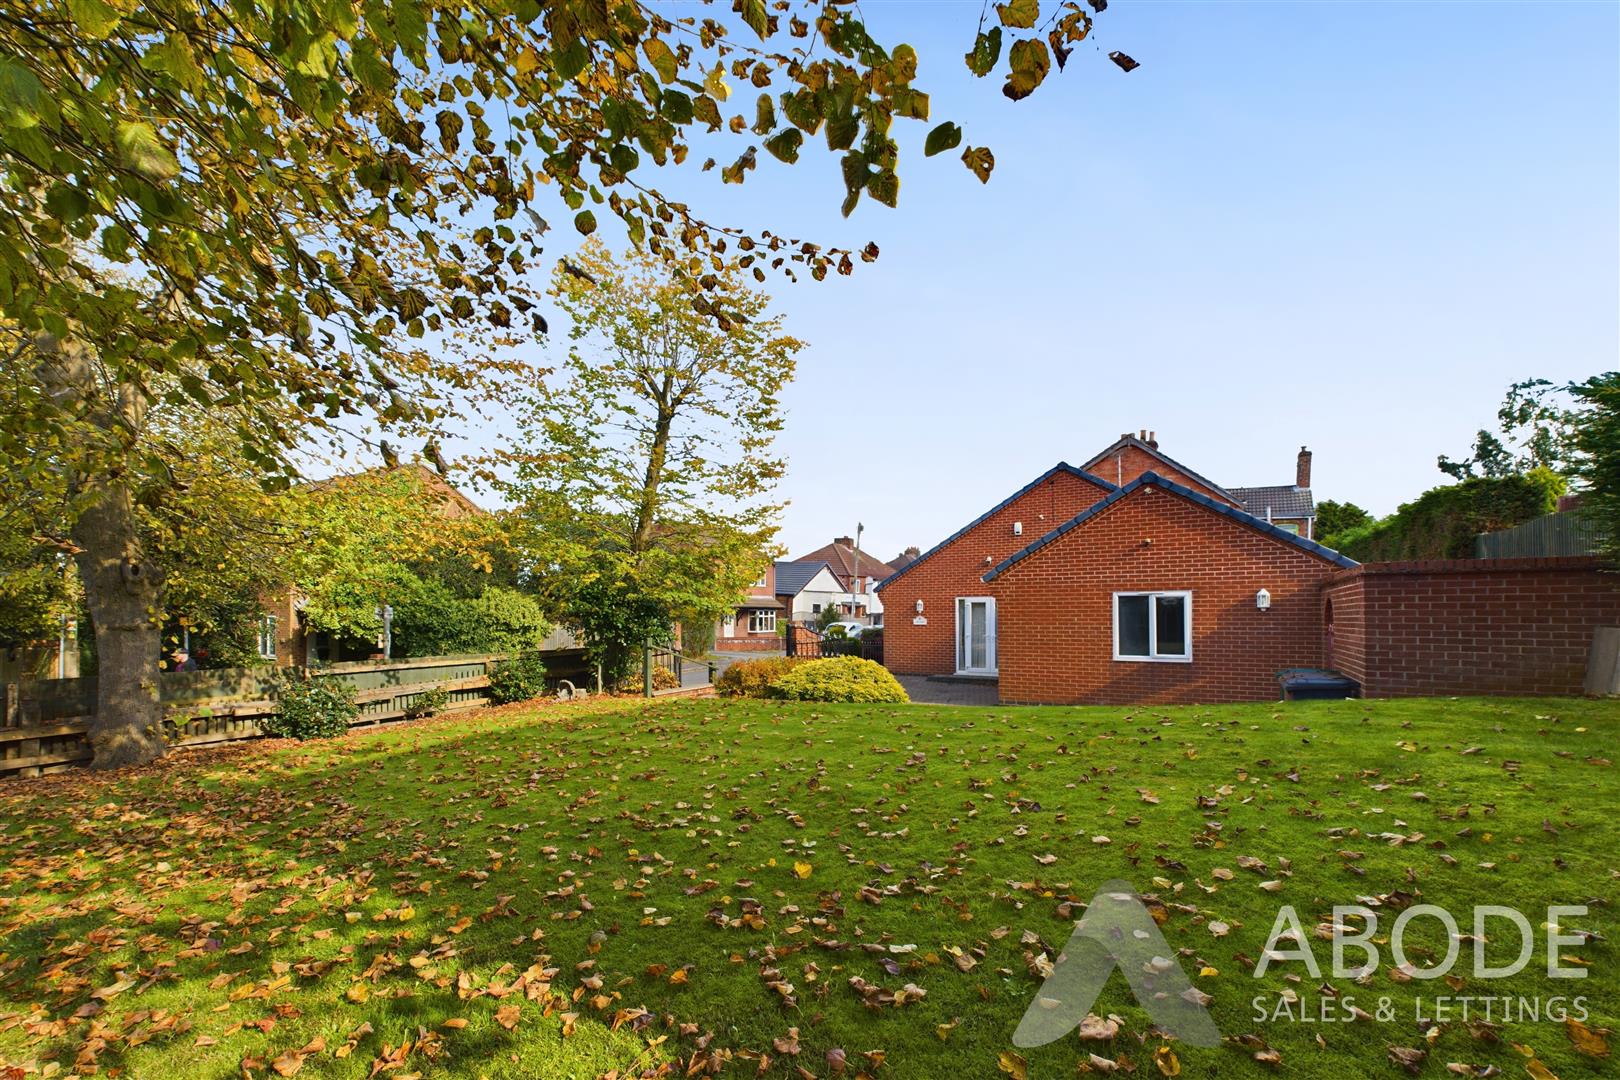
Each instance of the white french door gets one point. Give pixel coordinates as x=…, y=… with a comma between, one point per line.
x=975, y=635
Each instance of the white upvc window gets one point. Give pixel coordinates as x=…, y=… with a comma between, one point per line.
x=760, y=584
x=267, y=637
x=1153, y=626
x=762, y=622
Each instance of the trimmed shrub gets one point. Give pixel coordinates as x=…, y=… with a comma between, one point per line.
x=428, y=703
x=430, y=619
x=753, y=678
x=842, y=678
x=518, y=679
x=311, y=707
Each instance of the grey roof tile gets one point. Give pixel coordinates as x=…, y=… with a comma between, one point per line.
x=1285, y=501
x=1198, y=497
x=1062, y=466
x=792, y=577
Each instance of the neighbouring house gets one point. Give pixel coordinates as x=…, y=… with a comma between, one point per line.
x=807, y=589
x=1288, y=507
x=752, y=625
x=943, y=620
x=857, y=573
x=905, y=558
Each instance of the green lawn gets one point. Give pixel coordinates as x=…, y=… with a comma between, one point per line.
x=573, y=891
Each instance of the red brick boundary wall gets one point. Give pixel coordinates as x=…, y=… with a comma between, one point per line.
x=1467, y=626
x=806, y=642
x=771, y=642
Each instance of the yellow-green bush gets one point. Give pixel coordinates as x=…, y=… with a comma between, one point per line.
x=840, y=678
x=753, y=678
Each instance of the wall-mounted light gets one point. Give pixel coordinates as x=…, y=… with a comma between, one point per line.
x=919, y=607
x=1262, y=600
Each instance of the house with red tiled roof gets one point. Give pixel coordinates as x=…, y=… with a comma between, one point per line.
x=1105, y=582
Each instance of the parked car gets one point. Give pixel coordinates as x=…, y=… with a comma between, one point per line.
x=843, y=628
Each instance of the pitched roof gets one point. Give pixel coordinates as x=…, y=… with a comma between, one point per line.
x=1284, y=500
x=1153, y=478
x=840, y=559
x=1062, y=466
x=1148, y=448
x=432, y=485
x=792, y=577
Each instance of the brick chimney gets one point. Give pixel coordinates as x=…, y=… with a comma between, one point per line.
x=912, y=551
x=845, y=541
x=1302, y=473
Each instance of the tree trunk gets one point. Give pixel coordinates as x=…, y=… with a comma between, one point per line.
x=647, y=511
x=123, y=592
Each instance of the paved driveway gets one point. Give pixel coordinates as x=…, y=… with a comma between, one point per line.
x=926, y=691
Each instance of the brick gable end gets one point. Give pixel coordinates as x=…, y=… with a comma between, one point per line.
x=1055, y=608
x=956, y=570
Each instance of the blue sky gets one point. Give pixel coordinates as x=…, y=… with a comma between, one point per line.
x=1349, y=226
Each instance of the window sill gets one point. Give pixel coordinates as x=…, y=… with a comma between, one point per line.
x=1153, y=659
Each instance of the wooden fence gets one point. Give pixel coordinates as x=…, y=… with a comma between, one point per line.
x=1551, y=536
x=43, y=722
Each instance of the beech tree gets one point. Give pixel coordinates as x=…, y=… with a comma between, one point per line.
x=319, y=211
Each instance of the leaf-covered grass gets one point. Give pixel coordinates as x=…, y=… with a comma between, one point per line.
x=501, y=894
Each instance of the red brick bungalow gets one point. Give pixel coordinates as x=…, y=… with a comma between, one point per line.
x=939, y=617
x=1159, y=592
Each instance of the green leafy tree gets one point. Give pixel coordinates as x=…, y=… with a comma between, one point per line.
x=645, y=467
x=1533, y=432
x=267, y=210
x=1595, y=437
x=1442, y=522
x=402, y=538
x=1569, y=428
x=1334, y=518
x=37, y=586
x=184, y=491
